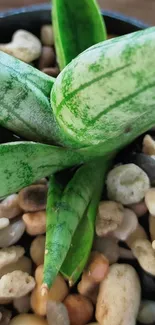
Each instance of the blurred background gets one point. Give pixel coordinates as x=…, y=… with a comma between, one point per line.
x=141, y=9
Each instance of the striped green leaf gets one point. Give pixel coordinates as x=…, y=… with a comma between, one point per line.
x=77, y=26
x=22, y=163
x=24, y=100
x=82, y=241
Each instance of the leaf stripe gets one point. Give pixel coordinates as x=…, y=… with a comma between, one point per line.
x=87, y=84
x=124, y=100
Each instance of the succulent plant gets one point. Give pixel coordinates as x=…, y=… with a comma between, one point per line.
x=101, y=101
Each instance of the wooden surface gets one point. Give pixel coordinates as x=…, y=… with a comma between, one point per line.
x=142, y=9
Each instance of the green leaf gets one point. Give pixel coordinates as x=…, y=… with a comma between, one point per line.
x=69, y=211
x=22, y=163
x=82, y=241
x=24, y=100
x=77, y=26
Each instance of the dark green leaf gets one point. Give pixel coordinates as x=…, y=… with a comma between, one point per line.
x=77, y=26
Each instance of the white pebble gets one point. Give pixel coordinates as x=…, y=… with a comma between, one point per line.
x=127, y=184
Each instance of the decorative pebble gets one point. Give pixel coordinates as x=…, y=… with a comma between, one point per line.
x=147, y=163
x=10, y=255
x=128, y=225
x=139, y=233
x=25, y=319
x=127, y=184
x=53, y=71
x=95, y=272
x=35, y=222
x=147, y=312
x=143, y=251
x=24, y=46
x=33, y=198
x=109, y=217
x=108, y=246
x=22, y=304
x=80, y=309
x=57, y=313
x=140, y=208
x=119, y=296
x=148, y=145
x=47, y=37
x=4, y=222
x=47, y=58
x=24, y=264
x=152, y=227
x=150, y=200
x=16, y=284
x=58, y=292
x=9, y=208
x=37, y=250
x=11, y=234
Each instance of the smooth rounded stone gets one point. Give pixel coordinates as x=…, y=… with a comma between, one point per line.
x=47, y=58
x=140, y=209
x=152, y=227
x=143, y=251
x=35, y=222
x=10, y=255
x=128, y=225
x=37, y=250
x=6, y=316
x=11, y=234
x=24, y=264
x=57, y=292
x=80, y=309
x=57, y=313
x=147, y=163
x=127, y=184
x=52, y=71
x=24, y=46
x=9, y=207
x=147, y=312
x=150, y=200
x=22, y=304
x=119, y=296
x=28, y=319
x=47, y=36
x=108, y=246
x=4, y=222
x=148, y=145
x=33, y=198
x=139, y=233
x=95, y=272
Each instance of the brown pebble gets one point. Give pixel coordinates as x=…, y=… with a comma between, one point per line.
x=139, y=208
x=35, y=222
x=152, y=227
x=80, y=309
x=148, y=145
x=33, y=198
x=53, y=71
x=47, y=37
x=47, y=58
x=111, y=36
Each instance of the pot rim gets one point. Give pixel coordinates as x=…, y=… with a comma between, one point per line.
x=46, y=7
